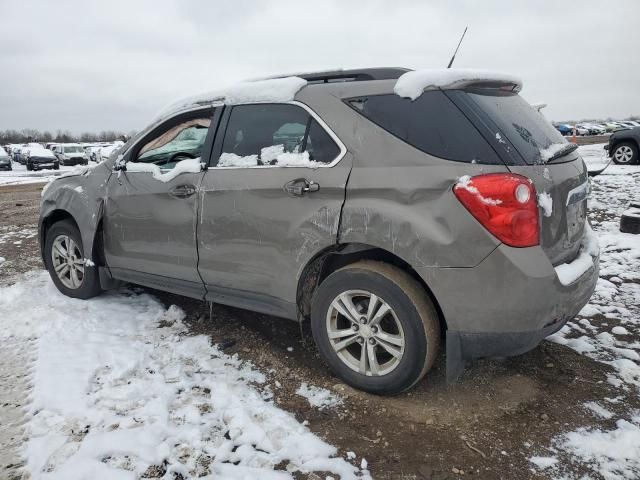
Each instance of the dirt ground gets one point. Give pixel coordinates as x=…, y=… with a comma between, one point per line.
x=485, y=426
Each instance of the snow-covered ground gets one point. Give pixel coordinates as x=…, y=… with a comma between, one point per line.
x=20, y=175
x=118, y=389
x=606, y=330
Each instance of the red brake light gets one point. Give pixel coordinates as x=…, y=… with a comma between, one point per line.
x=505, y=204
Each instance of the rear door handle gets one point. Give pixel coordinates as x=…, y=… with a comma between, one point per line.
x=300, y=187
x=182, y=191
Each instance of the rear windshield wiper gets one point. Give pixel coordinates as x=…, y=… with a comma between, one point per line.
x=561, y=152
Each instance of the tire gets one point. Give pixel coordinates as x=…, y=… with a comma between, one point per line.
x=625, y=153
x=56, y=167
x=412, y=318
x=29, y=167
x=630, y=221
x=90, y=282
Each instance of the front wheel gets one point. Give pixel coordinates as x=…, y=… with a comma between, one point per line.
x=625, y=153
x=375, y=327
x=71, y=272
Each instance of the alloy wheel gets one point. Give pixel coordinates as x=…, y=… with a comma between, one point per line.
x=68, y=262
x=365, y=333
x=623, y=154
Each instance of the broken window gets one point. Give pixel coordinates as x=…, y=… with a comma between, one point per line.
x=180, y=142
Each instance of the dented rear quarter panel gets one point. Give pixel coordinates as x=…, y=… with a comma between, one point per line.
x=399, y=198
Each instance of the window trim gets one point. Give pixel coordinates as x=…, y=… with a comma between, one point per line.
x=312, y=113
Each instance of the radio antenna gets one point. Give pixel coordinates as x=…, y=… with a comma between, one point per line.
x=454, y=53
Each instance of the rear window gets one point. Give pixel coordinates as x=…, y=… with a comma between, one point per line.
x=431, y=123
x=526, y=128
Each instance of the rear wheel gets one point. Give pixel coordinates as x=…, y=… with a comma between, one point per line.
x=375, y=327
x=29, y=167
x=70, y=271
x=625, y=153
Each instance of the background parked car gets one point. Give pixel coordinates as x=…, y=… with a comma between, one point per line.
x=5, y=161
x=564, y=129
x=71, y=154
x=624, y=145
x=39, y=158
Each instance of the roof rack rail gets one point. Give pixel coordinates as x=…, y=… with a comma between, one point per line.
x=355, y=75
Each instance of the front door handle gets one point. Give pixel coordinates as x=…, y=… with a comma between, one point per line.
x=182, y=191
x=300, y=187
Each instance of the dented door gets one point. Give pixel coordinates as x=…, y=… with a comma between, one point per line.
x=260, y=223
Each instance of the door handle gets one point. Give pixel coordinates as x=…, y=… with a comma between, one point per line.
x=300, y=187
x=182, y=191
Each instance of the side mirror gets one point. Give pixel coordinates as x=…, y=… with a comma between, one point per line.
x=120, y=166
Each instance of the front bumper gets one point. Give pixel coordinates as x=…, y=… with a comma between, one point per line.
x=506, y=305
x=40, y=166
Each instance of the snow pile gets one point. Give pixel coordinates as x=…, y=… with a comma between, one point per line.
x=269, y=156
x=269, y=90
x=189, y=165
x=552, y=150
x=569, y=272
x=318, y=397
x=546, y=203
x=412, y=84
x=543, y=462
x=119, y=389
x=614, y=453
x=465, y=182
x=233, y=160
x=39, y=152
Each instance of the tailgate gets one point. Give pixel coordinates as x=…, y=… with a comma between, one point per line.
x=562, y=190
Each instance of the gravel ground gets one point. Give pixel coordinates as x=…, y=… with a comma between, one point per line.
x=487, y=425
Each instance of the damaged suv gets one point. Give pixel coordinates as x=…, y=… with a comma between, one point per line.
x=393, y=209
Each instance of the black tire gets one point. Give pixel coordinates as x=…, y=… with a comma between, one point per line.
x=90, y=286
x=630, y=221
x=413, y=310
x=29, y=167
x=56, y=167
x=629, y=146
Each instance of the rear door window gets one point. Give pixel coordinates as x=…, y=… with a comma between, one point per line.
x=275, y=135
x=431, y=123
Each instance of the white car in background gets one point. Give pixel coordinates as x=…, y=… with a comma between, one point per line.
x=104, y=152
x=70, y=154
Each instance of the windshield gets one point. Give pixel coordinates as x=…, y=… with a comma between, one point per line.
x=527, y=129
x=73, y=149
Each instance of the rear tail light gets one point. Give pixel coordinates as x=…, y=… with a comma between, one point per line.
x=505, y=204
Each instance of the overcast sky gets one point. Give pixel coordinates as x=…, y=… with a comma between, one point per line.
x=91, y=66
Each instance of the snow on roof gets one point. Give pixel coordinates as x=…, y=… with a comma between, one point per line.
x=412, y=84
x=39, y=152
x=269, y=90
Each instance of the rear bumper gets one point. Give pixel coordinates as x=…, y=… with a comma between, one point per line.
x=508, y=303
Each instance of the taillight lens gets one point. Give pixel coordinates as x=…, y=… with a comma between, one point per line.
x=505, y=204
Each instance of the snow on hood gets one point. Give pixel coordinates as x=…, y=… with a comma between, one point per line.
x=269, y=90
x=412, y=84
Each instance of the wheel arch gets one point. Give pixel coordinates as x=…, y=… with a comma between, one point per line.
x=46, y=222
x=330, y=259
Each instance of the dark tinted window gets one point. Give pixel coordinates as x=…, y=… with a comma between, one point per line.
x=320, y=145
x=431, y=123
x=259, y=134
x=523, y=126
